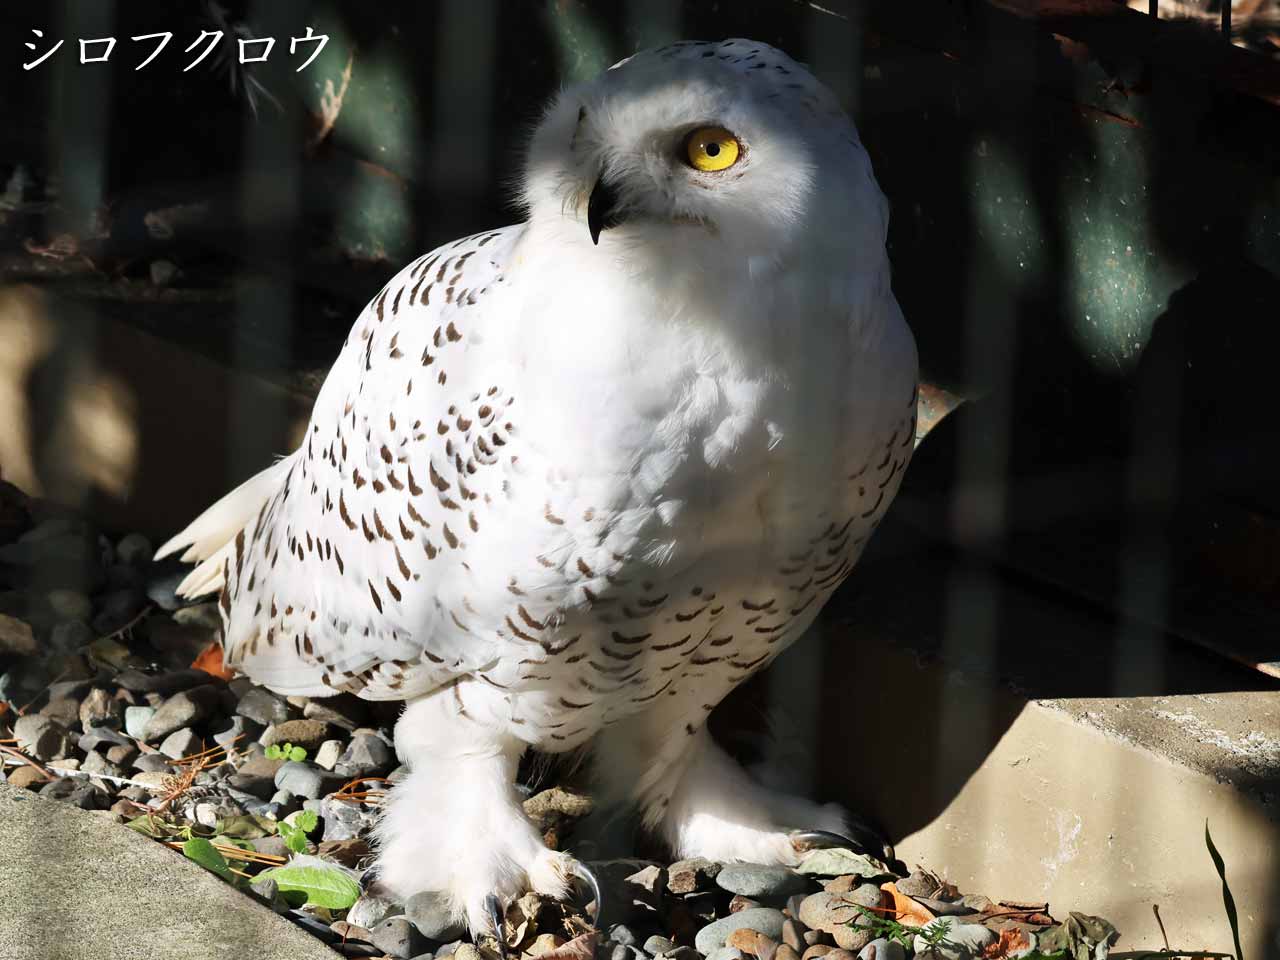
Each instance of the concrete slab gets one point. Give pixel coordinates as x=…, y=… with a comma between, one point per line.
x=76, y=886
x=975, y=716
x=1065, y=811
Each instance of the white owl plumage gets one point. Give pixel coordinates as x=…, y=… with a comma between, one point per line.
x=559, y=492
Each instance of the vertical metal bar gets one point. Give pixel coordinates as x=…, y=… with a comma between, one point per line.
x=1226, y=20
x=1153, y=8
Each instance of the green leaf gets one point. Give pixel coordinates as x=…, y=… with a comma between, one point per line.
x=273, y=752
x=249, y=826
x=296, y=753
x=294, y=839
x=202, y=852
x=305, y=820
x=153, y=826
x=1228, y=901
x=330, y=888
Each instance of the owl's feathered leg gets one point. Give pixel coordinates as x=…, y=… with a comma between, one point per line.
x=699, y=799
x=455, y=824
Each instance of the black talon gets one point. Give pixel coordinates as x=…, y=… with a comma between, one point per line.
x=584, y=873
x=866, y=840
x=498, y=917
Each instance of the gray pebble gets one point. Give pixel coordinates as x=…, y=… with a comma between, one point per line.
x=262, y=706
x=793, y=935
x=342, y=821
x=327, y=756
x=658, y=944
x=447, y=949
x=759, y=880
x=77, y=792
x=163, y=272
x=273, y=845
x=152, y=763
x=258, y=787
x=117, y=609
x=882, y=948
x=69, y=604
x=100, y=709
x=208, y=813
x=164, y=684
x=306, y=780
x=94, y=738
x=623, y=951
x=244, y=729
x=180, y=743
x=764, y=920
x=123, y=754
x=95, y=762
x=71, y=636
x=136, y=720
x=345, y=711
x=134, y=550
x=725, y=953
x=183, y=709
x=685, y=953
x=620, y=933
x=429, y=912
x=163, y=590
x=120, y=577
x=839, y=915
x=368, y=910
x=269, y=893
x=365, y=756
x=43, y=738
x=397, y=937
x=65, y=710
x=686, y=876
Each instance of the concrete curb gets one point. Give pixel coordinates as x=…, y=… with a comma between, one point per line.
x=77, y=886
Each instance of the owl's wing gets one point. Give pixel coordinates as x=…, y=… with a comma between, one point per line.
x=345, y=566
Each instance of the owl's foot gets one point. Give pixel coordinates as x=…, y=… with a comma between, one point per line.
x=716, y=810
x=455, y=826
x=454, y=833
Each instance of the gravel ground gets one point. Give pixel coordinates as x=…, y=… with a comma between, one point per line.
x=101, y=707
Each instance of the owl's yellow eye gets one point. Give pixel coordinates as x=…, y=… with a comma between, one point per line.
x=711, y=149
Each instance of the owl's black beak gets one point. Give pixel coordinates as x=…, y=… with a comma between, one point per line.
x=602, y=209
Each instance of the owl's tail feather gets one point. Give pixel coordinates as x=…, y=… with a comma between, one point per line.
x=210, y=538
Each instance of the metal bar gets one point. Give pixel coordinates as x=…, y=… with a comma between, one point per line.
x=1153, y=7
x=1226, y=20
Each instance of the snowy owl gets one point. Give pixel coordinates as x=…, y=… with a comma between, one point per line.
x=571, y=481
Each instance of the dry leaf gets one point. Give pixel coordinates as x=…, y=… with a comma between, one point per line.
x=579, y=948
x=1010, y=941
x=210, y=661
x=753, y=943
x=907, y=911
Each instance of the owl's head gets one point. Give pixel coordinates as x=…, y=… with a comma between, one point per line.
x=729, y=144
